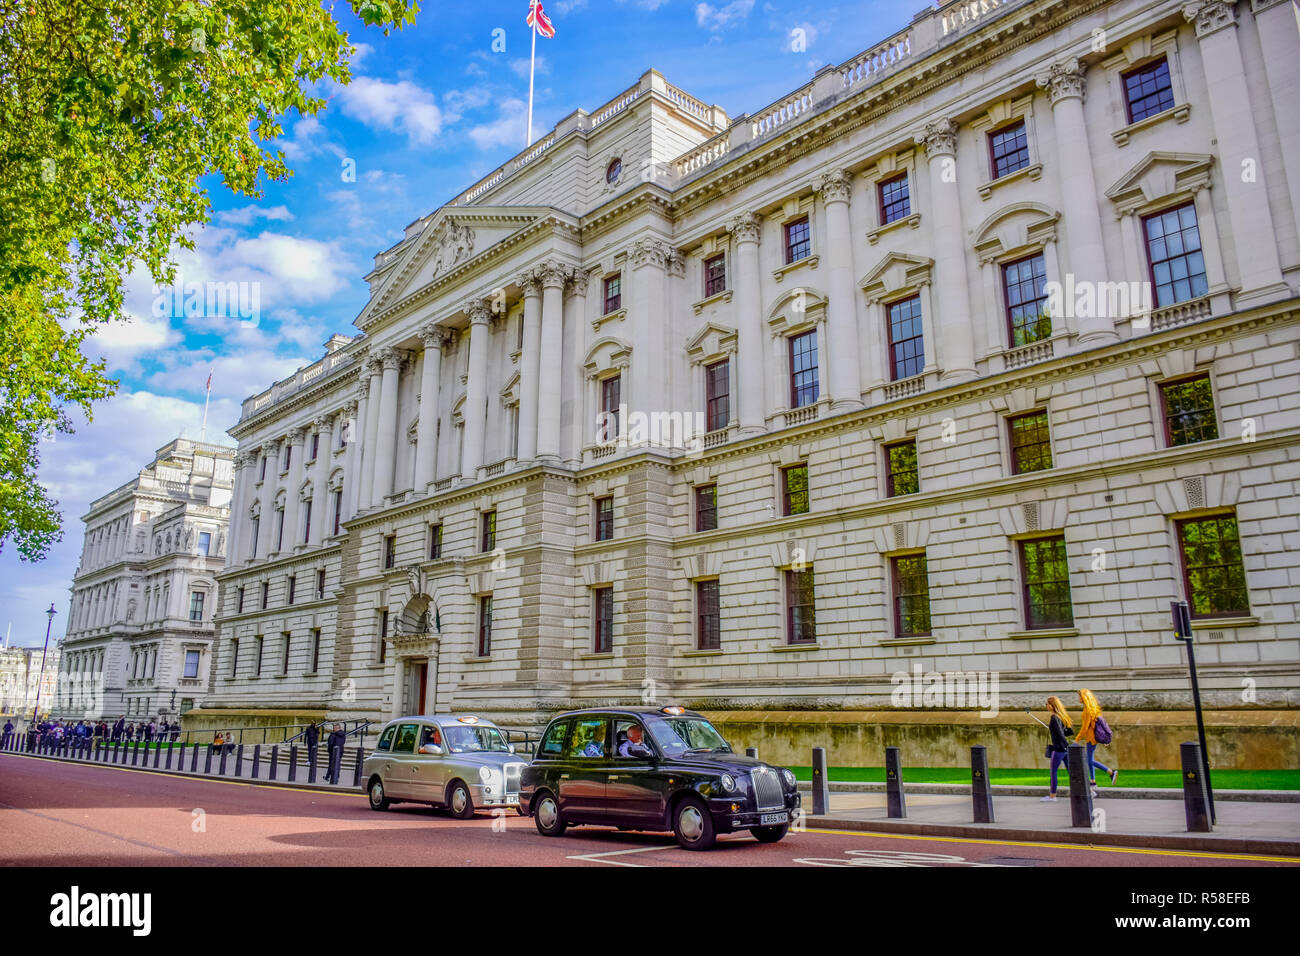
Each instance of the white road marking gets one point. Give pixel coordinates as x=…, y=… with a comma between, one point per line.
x=600, y=857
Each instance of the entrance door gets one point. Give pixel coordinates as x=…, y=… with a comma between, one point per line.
x=422, y=675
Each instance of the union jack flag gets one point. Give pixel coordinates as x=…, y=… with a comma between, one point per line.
x=538, y=20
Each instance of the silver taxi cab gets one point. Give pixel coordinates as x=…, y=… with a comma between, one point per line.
x=460, y=762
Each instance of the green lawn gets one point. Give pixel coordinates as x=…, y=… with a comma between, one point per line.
x=1038, y=777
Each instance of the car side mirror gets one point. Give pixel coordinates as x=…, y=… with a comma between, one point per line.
x=432, y=749
x=512, y=747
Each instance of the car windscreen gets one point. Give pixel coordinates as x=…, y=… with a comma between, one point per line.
x=678, y=735
x=462, y=739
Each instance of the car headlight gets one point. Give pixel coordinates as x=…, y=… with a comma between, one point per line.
x=789, y=777
x=728, y=782
x=484, y=774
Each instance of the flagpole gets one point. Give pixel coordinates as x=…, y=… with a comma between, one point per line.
x=203, y=432
x=532, y=65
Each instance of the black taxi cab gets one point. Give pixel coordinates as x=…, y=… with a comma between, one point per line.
x=653, y=768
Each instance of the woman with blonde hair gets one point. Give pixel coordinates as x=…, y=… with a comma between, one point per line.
x=1059, y=746
x=1092, y=732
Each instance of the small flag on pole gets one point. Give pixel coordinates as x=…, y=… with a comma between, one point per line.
x=539, y=21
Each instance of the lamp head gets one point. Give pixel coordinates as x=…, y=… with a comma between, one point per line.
x=51, y=612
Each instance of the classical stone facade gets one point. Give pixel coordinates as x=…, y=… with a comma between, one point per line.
x=139, y=632
x=20, y=673
x=971, y=354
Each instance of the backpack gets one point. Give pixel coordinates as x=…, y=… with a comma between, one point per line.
x=1101, y=730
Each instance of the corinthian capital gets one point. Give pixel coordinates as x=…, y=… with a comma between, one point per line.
x=745, y=227
x=834, y=186
x=649, y=252
x=391, y=359
x=1063, y=80
x=578, y=280
x=433, y=336
x=552, y=274
x=1209, y=16
x=529, y=282
x=479, y=311
x=938, y=138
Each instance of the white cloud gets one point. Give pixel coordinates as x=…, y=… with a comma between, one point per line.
x=508, y=129
x=401, y=107
x=360, y=52
x=715, y=18
x=520, y=66
x=309, y=138
x=245, y=215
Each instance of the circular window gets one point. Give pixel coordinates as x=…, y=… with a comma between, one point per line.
x=614, y=170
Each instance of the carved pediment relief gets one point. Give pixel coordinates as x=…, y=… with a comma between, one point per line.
x=712, y=341
x=1159, y=176
x=896, y=272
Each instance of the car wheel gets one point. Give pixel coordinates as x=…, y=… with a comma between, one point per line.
x=693, y=824
x=546, y=814
x=377, y=799
x=770, y=834
x=459, y=802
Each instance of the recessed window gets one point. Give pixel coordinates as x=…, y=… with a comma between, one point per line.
x=1148, y=91
x=259, y=644
x=288, y=456
x=266, y=594
x=1008, y=150
x=306, y=520
x=383, y=635
x=1046, y=576
x=798, y=240
x=315, y=649
x=604, y=518
x=292, y=588
x=715, y=274
x=1174, y=252
x=196, y=605
x=234, y=657
x=794, y=490
x=315, y=445
x=286, y=641
x=895, y=199
x=390, y=551
x=706, y=507
x=320, y=584
x=1189, y=411
x=911, y=584
x=1213, y=575
x=338, y=509
x=610, y=397
x=603, y=618
x=239, y=601
x=803, y=369
x=717, y=395
x=205, y=543
x=801, y=611
x=191, y=670
x=1031, y=445
x=613, y=170
x=488, y=531
x=708, y=619
x=613, y=293
x=256, y=527
x=906, y=339
x=279, y=528
x=901, y=474
x=435, y=542
x=485, y=625
x=1024, y=285
x=262, y=475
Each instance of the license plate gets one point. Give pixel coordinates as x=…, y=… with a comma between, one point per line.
x=767, y=818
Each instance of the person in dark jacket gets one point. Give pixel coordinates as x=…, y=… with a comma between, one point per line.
x=1059, y=747
x=119, y=729
x=335, y=743
x=8, y=734
x=312, y=738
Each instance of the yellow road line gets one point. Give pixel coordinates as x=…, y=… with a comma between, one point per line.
x=1060, y=846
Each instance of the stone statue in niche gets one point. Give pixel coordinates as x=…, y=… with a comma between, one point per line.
x=189, y=539
x=130, y=610
x=221, y=543
x=157, y=545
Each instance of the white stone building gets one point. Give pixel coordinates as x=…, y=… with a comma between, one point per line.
x=139, y=630
x=755, y=412
x=20, y=672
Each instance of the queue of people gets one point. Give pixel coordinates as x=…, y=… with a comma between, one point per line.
x=1093, y=732
x=120, y=731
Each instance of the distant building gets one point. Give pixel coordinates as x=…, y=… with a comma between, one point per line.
x=140, y=623
x=20, y=670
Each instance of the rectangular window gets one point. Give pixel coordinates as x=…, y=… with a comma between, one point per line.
x=291, y=588
x=390, y=550
x=801, y=617
x=239, y=601
x=234, y=657
x=196, y=605
x=306, y=520
x=383, y=635
x=706, y=507
x=906, y=338
x=286, y=640
x=1046, y=575
x=338, y=508
x=1031, y=442
x=604, y=620
x=715, y=274
x=262, y=476
x=485, y=625
x=610, y=397
x=1174, y=251
x=257, y=526
x=604, y=518
x=794, y=490
x=1148, y=91
x=895, y=200
x=315, y=649
x=717, y=395
x=205, y=543
x=435, y=542
x=279, y=528
x=259, y=643
x=488, y=538
x=266, y=594
x=1213, y=574
x=1189, y=411
x=315, y=445
x=191, y=665
x=613, y=293
x=803, y=369
x=320, y=584
x=911, y=595
x=1024, y=286
x=1008, y=150
x=902, y=476
x=798, y=240
x=708, y=619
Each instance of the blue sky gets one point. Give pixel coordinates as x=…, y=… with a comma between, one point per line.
x=431, y=109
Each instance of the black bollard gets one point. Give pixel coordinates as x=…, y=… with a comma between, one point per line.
x=169, y=757
x=311, y=766
x=1080, y=792
x=239, y=761
x=361, y=759
x=194, y=760
x=135, y=753
x=207, y=761
x=751, y=752
x=894, y=784
x=221, y=766
x=821, y=789
x=293, y=763
x=257, y=758
x=981, y=792
x=180, y=758
x=1196, y=800
x=157, y=755
x=275, y=758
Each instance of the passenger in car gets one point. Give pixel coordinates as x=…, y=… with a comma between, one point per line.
x=432, y=738
x=634, y=745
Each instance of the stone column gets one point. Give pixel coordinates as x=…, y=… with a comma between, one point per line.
x=266, y=529
x=551, y=356
x=352, y=457
x=320, y=497
x=293, y=487
x=750, y=358
x=845, y=385
x=365, y=493
x=476, y=340
x=1279, y=39
x=1065, y=85
x=426, y=452
x=572, y=413
x=235, y=527
x=956, y=340
x=1234, y=128
x=386, y=441
x=529, y=364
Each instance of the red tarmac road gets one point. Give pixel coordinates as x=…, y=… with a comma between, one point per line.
x=60, y=814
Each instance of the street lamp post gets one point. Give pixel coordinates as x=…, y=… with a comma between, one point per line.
x=40, y=678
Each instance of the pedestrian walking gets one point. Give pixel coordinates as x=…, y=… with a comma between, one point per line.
x=119, y=729
x=335, y=743
x=1059, y=745
x=1094, y=730
x=176, y=731
x=8, y=733
x=312, y=736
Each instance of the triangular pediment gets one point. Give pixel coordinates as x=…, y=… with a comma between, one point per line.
x=711, y=339
x=1158, y=176
x=897, y=270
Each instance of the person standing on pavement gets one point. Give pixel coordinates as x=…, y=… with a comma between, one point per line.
x=1088, y=731
x=1059, y=746
x=8, y=733
x=312, y=737
x=335, y=744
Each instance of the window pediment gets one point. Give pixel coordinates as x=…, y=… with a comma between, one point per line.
x=797, y=309
x=1016, y=228
x=1160, y=176
x=712, y=342
x=895, y=274
x=606, y=356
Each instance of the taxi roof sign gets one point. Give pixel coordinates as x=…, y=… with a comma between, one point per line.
x=468, y=719
x=674, y=710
